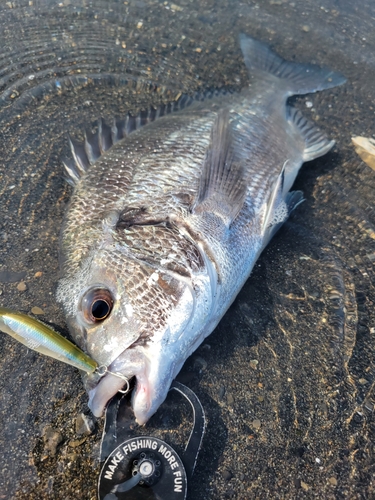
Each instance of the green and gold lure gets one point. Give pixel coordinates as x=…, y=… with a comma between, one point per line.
x=41, y=338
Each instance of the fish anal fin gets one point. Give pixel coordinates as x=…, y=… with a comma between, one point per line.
x=279, y=207
x=222, y=187
x=276, y=199
x=316, y=142
x=281, y=212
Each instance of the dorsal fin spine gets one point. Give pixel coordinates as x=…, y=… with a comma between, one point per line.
x=94, y=145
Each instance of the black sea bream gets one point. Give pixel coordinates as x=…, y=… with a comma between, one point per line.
x=169, y=213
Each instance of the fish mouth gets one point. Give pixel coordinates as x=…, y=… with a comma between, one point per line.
x=108, y=387
x=130, y=363
x=133, y=362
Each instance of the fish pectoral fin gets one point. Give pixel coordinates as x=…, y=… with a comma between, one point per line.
x=222, y=187
x=316, y=142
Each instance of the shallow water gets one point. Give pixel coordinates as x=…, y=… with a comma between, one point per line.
x=287, y=380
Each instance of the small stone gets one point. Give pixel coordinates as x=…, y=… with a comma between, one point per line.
x=304, y=486
x=332, y=480
x=84, y=425
x=362, y=381
x=254, y=364
x=256, y=424
x=37, y=310
x=198, y=49
x=21, y=287
x=176, y=8
x=38, y=274
x=77, y=442
x=221, y=393
x=200, y=363
x=305, y=28
x=230, y=399
x=227, y=475
x=52, y=438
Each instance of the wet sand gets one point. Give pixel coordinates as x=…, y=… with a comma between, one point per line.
x=287, y=379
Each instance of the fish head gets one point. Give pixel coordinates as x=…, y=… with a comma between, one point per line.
x=134, y=319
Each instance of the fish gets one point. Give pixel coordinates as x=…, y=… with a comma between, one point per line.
x=171, y=208
x=41, y=338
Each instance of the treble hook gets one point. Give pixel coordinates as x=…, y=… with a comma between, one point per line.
x=103, y=370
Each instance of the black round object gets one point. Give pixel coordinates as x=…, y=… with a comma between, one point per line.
x=143, y=468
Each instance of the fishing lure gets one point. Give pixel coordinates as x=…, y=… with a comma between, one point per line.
x=41, y=338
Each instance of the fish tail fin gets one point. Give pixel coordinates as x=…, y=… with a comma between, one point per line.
x=262, y=62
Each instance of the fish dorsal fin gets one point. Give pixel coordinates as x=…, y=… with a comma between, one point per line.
x=222, y=187
x=316, y=142
x=95, y=144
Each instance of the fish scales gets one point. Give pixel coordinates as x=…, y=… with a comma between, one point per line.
x=164, y=227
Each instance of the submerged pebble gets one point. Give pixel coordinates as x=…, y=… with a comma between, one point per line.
x=37, y=310
x=254, y=364
x=52, y=438
x=200, y=363
x=22, y=287
x=84, y=425
x=256, y=424
x=227, y=475
x=77, y=442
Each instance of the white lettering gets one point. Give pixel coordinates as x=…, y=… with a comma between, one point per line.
x=162, y=449
x=108, y=475
x=139, y=443
x=178, y=485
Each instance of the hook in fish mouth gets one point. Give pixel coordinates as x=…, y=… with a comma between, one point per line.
x=116, y=378
x=153, y=378
x=103, y=370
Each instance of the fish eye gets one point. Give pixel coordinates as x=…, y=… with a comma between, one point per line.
x=97, y=304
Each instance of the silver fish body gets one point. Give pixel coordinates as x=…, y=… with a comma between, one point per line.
x=165, y=224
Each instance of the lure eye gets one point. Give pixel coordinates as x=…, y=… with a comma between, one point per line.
x=97, y=304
